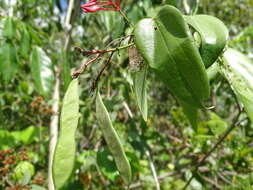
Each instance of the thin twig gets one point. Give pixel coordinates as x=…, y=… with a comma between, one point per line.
x=118, y=39
x=128, y=110
x=223, y=137
x=85, y=65
x=92, y=52
x=100, y=54
x=212, y=182
x=53, y=129
x=94, y=84
x=126, y=18
x=153, y=170
x=224, y=179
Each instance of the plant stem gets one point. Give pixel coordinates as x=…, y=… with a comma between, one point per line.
x=94, y=85
x=54, y=129
x=153, y=170
x=119, y=48
x=100, y=54
x=85, y=53
x=54, y=122
x=125, y=17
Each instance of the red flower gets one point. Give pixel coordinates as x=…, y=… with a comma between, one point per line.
x=97, y=5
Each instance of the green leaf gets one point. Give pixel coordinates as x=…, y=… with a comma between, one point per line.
x=42, y=73
x=247, y=32
x=9, y=31
x=171, y=2
x=106, y=164
x=214, y=36
x=64, y=155
x=191, y=113
x=213, y=71
x=25, y=42
x=2, y=21
x=23, y=172
x=26, y=136
x=34, y=34
x=8, y=62
x=166, y=45
x=7, y=141
x=238, y=70
x=140, y=80
x=216, y=124
x=113, y=141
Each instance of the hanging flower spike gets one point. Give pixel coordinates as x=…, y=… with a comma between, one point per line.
x=98, y=5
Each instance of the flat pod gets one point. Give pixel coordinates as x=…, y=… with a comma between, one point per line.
x=113, y=141
x=238, y=70
x=214, y=36
x=64, y=155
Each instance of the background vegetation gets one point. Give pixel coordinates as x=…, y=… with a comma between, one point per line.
x=34, y=32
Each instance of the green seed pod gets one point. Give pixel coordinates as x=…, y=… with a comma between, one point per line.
x=113, y=141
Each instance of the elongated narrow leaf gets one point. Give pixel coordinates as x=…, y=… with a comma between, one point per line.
x=25, y=42
x=214, y=36
x=64, y=155
x=113, y=141
x=238, y=69
x=43, y=75
x=8, y=62
x=9, y=31
x=140, y=80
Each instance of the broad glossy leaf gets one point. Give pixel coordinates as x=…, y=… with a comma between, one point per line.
x=64, y=155
x=113, y=141
x=214, y=36
x=238, y=70
x=9, y=31
x=140, y=80
x=42, y=73
x=8, y=62
x=168, y=48
x=165, y=44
